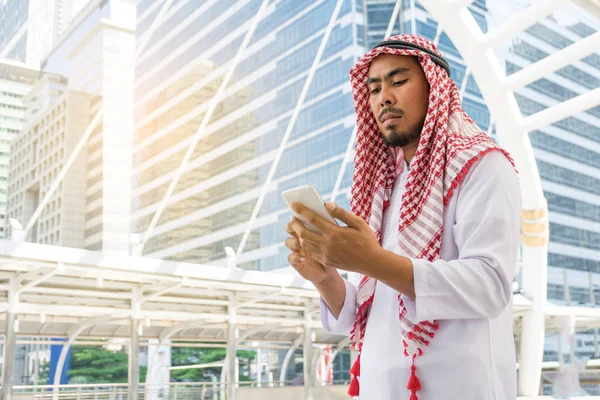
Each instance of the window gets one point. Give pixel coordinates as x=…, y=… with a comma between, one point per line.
x=556, y=292
x=582, y=264
x=574, y=236
x=575, y=208
x=567, y=177
x=549, y=143
x=571, y=124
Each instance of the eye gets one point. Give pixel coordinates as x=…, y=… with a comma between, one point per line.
x=375, y=91
x=400, y=83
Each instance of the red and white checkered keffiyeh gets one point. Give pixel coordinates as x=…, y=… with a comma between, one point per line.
x=450, y=143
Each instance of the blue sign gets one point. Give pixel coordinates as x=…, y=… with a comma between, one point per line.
x=54, y=356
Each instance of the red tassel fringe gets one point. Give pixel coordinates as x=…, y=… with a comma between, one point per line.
x=353, y=390
x=414, y=385
x=355, y=370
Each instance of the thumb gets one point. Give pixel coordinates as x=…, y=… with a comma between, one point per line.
x=346, y=217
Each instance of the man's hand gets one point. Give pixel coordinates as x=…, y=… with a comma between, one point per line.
x=351, y=248
x=302, y=261
x=327, y=280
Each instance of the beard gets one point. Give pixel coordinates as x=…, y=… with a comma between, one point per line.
x=402, y=138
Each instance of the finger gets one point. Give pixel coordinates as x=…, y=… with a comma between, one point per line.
x=289, y=229
x=353, y=221
x=295, y=259
x=309, y=215
x=293, y=244
x=318, y=257
x=310, y=248
x=304, y=233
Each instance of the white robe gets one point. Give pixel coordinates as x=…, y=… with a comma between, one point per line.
x=468, y=291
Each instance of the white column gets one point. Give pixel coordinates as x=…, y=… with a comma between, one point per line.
x=134, y=360
x=158, y=374
x=36, y=366
x=9, y=340
x=134, y=346
x=258, y=367
x=533, y=323
x=308, y=368
x=231, y=359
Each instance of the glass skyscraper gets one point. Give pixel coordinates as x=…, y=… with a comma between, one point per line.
x=15, y=83
x=188, y=54
x=13, y=16
x=177, y=75
x=30, y=29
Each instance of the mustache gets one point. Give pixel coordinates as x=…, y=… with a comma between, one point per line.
x=389, y=110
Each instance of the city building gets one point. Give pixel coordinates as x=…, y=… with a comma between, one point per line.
x=177, y=75
x=38, y=153
x=16, y=80
x=91, y=69
x=29, y=29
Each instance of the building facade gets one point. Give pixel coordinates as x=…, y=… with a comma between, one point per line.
x=38, y=153
x=16, y=80
x=179, y=72
x=90, y=70
x=30, y=29
x=13, y=29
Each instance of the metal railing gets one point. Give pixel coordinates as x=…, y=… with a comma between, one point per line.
x=118, y=391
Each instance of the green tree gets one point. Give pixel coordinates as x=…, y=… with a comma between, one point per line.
x=195, y=355
x=95, y=364
x=44, y=374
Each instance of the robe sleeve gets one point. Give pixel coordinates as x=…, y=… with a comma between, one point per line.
x=486, y=232
x=343, y=324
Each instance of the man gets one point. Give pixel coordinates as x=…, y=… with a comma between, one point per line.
x=434, y=232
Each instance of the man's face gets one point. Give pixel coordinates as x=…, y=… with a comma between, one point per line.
x=398, y=96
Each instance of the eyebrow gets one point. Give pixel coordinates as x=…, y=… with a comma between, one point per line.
x=390, y=74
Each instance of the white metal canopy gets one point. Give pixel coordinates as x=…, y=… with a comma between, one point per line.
x=62, y=289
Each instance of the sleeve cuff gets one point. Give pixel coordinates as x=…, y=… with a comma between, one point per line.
x=343, y=324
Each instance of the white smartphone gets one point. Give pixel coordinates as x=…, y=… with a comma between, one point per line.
x=309, y=197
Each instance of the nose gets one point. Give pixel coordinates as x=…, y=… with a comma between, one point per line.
x=386, y=97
